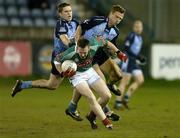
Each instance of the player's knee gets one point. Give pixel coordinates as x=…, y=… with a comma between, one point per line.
x=140, y=81
x=107, y=96
x=115, y=77
x=91, y=99
x=53, y=86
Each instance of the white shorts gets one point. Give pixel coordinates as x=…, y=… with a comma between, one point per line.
x=137, y=72
x=90, y=76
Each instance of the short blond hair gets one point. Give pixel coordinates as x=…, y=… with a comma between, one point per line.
x=118, y=8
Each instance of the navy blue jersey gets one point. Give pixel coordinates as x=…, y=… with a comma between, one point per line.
x=98, y=26
x=133, y=45
x=63, y=27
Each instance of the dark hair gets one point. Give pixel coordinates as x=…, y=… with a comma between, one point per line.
x=82, y=42
x=62, y=5
x=118, y=8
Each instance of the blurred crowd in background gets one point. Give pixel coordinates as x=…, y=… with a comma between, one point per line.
x=32, y=21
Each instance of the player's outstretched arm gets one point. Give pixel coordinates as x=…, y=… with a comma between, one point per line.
x=67, y=41
x=78, y=33
x=120, y=54
x=111, y=46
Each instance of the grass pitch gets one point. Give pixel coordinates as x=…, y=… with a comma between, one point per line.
x=38, y=113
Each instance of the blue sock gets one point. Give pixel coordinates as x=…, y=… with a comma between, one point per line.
x=26, y=84
x=126, y=97
x=72, y=107
x=118, y=103
x=106, y=109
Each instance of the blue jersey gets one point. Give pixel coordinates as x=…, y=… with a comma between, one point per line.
x=98, y=26
x=133, y=45
x=63, y=27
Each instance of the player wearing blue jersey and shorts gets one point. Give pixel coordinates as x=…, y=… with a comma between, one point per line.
x=64, y=33
x=131, y=68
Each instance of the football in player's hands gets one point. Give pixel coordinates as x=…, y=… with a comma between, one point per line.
x=69, y=73
x=69, y=68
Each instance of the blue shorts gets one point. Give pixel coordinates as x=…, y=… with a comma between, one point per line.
x=129, y=66
x=54, y=71
x=100, y=57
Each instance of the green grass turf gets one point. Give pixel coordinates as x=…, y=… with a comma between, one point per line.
x=37, y=113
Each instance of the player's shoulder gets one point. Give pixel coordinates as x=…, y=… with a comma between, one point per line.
x=60, y=22
x=131, y=35
x=116, y=29
x=96, y=19
x=99, y=18
x=75, y=20
x=70, y=51
x=92, y=51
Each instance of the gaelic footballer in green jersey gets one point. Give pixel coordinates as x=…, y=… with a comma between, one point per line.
x=83, y=56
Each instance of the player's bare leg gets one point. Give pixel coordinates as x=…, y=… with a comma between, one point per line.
x=122, y=87
x=104, y=94
x=71, y=110
x=105, y=69
x=50, y=84
x=83, y=89
x=99, y=72
x=111, y=69
x=138, y=81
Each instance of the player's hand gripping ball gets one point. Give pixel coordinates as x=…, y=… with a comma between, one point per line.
x=69, y=68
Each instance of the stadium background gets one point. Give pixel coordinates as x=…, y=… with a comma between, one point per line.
x=26, y=40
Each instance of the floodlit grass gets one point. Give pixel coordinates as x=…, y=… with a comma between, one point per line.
x=37, y=113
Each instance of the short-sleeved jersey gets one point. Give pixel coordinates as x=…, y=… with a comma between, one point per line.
x=133, y=45
x=98, y=26
x=63, y=27
x=82, y=64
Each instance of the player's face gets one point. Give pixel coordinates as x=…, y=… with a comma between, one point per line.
x=115, y=18
x=83, y=52
x=138, y=27
x=66, y=13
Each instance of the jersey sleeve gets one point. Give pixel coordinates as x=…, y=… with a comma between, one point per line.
x=60, y=28
x=77, y=22
x=92, y=52
x=114, y=40
x=129, y=40
x=66, y=55
x=95, y=43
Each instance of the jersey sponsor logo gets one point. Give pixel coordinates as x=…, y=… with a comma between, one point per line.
x=85, y=63
x=127, y=43
x=62, y=29
x=76, y=60
x=86, y=21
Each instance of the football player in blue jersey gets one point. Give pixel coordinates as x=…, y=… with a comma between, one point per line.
x=131, y=68
x=105, y=27
x=64, y=33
